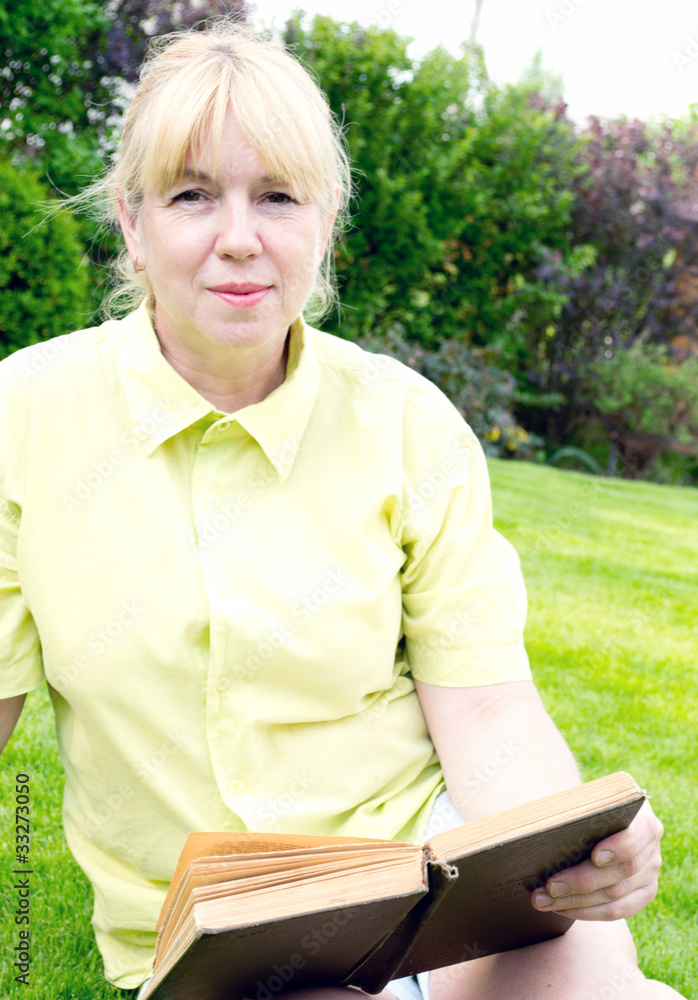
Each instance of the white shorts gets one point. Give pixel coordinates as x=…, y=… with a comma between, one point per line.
x=444, y=816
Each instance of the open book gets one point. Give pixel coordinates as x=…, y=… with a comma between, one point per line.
x=250, y=915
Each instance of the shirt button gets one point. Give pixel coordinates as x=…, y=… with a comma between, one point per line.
x=224, y=587
x=213, y=500
x=224, y=425
x=223, y=684
x=236, y=787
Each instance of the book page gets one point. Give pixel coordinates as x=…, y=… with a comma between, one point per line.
x=242, y=902
x=256, y=845
x=586, y=799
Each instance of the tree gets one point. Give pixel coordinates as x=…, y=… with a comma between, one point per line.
x=508, y=203
x=633, y=206
x=648, y=404
x=44, y=285
x=548, y=85
x=134, y=22
x=458, y=184
x=51, y=90
x=395, y=124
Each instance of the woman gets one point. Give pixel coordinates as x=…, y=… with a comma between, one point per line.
x=255, y=564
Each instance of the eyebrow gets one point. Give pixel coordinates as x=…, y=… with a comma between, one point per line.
x=190, y=174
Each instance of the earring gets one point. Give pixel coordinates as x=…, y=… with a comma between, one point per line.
x=138, y=267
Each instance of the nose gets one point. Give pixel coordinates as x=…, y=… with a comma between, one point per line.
x=238, y=231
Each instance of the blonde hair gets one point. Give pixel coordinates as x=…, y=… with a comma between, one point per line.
x=188, y=83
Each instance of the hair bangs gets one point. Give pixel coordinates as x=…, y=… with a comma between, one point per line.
x=282, y=133
x=187, y=121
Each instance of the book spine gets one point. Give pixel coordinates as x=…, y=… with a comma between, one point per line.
x=376, y=970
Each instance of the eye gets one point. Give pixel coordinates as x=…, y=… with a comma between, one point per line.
x=280, y=198
x=188, y=196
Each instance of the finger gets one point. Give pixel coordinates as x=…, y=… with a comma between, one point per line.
x=614, y=897
x=615, y=909
x=587, y=878
x=584, y=890
x=644, y=831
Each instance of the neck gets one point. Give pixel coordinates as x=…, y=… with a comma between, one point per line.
x=231, y=378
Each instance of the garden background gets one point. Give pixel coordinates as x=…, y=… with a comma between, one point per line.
x=544, y=274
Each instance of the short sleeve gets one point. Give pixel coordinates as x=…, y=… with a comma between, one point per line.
x=464, y=600
x=21, y=667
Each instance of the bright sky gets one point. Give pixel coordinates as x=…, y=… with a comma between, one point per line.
x=633, y=57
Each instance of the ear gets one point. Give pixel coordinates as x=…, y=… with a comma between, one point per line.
x=129, y=228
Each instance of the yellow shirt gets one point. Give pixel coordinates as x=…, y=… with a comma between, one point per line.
x=229, y=610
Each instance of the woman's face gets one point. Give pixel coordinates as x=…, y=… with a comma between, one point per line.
x=231, y=261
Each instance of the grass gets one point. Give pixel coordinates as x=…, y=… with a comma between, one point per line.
x=610, y=567
x=611, y=570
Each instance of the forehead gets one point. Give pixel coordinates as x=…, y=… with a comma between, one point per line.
x=228, y=152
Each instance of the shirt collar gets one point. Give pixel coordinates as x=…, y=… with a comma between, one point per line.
x=162, y=403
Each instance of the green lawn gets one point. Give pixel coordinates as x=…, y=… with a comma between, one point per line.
x=611, y=572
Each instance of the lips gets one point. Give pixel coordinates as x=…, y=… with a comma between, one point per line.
x=240, y=296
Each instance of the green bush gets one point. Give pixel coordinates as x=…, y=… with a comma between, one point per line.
x=643, y=389
x=458, y=186
x=44, y=285
x=647, y=403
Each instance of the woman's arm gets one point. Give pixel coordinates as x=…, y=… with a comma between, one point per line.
x=499, y=748
x=10, y=711
x=497, y=745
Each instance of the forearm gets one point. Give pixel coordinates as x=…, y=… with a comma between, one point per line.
x=10, y=711
x=499, y=748
x=497, y=745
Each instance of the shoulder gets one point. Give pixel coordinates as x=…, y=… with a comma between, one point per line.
x=382, y=377
x=62, y=363
x=404, y=416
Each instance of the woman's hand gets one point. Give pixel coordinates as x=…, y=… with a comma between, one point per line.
x=619, y=879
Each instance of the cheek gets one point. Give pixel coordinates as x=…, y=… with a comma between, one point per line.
x=303, y=256
x=301, y=268
x=177, y=253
